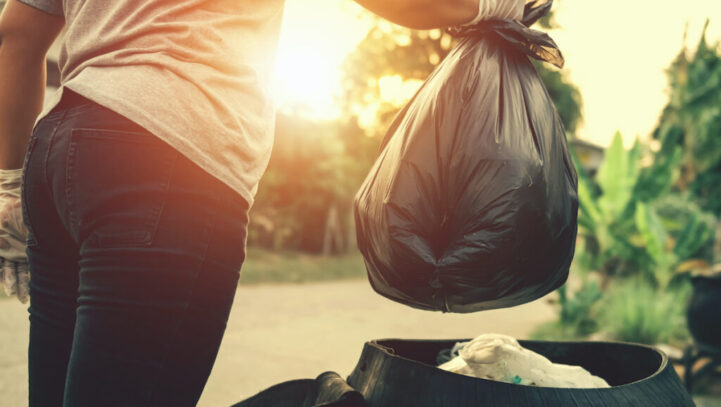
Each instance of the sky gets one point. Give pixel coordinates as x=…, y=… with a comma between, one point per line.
x=616, y=53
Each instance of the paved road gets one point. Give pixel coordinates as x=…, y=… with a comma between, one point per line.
x=284, y=332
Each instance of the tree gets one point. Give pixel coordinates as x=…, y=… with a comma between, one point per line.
x=314, y=170
x=693, y=117
x=630, y=221
x=390, y=50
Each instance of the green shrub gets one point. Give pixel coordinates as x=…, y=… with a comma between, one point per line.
x=578, y=311
x=635, y=311
x=578, y=314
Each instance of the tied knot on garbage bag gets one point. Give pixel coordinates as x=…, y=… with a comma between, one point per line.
x=472, y=202
x=533, y=43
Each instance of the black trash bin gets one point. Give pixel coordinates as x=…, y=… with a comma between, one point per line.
x=704, y=310
x=402, y=373
x=704, y=321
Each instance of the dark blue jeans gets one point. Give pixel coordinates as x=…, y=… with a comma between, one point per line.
x=134, y=255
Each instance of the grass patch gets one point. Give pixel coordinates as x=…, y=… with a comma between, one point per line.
x=265, y=266
x=630, y=310
x=556, y=331
x=637, y=312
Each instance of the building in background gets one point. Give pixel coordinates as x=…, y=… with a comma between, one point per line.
x=589, y=155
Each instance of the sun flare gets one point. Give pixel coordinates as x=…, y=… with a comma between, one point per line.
x=306, y=78
x=604, y=63
x=316, y=37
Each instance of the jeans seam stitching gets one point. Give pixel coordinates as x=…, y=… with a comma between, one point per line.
x=51, y=141
x=165, y=185
x=208, y=236
x=31, y=239
x=70, y=154
x=128, y=136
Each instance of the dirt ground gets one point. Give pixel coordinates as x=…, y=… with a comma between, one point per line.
x=284, y=332
x=278, y=333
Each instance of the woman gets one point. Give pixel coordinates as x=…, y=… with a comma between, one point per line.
x=137, y=182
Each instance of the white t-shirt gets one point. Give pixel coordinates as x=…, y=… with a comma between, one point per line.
x=195, y=73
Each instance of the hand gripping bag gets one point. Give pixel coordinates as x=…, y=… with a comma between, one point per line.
x=472, y=202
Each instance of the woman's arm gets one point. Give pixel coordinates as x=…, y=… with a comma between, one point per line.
x=26, y=34
x=424, y=14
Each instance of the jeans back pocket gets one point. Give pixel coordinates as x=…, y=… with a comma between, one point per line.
x=117, y=183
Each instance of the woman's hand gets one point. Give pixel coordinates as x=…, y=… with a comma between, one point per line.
x=14, y=272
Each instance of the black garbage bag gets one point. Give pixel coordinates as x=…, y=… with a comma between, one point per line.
x=472, y=202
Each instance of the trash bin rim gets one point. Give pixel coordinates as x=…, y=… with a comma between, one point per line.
x=377, y=344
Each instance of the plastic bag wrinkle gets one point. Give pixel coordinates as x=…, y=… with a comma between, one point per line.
x=472, y=202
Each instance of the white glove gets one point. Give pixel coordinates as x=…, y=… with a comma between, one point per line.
x=498, y=10
x=14, y=272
